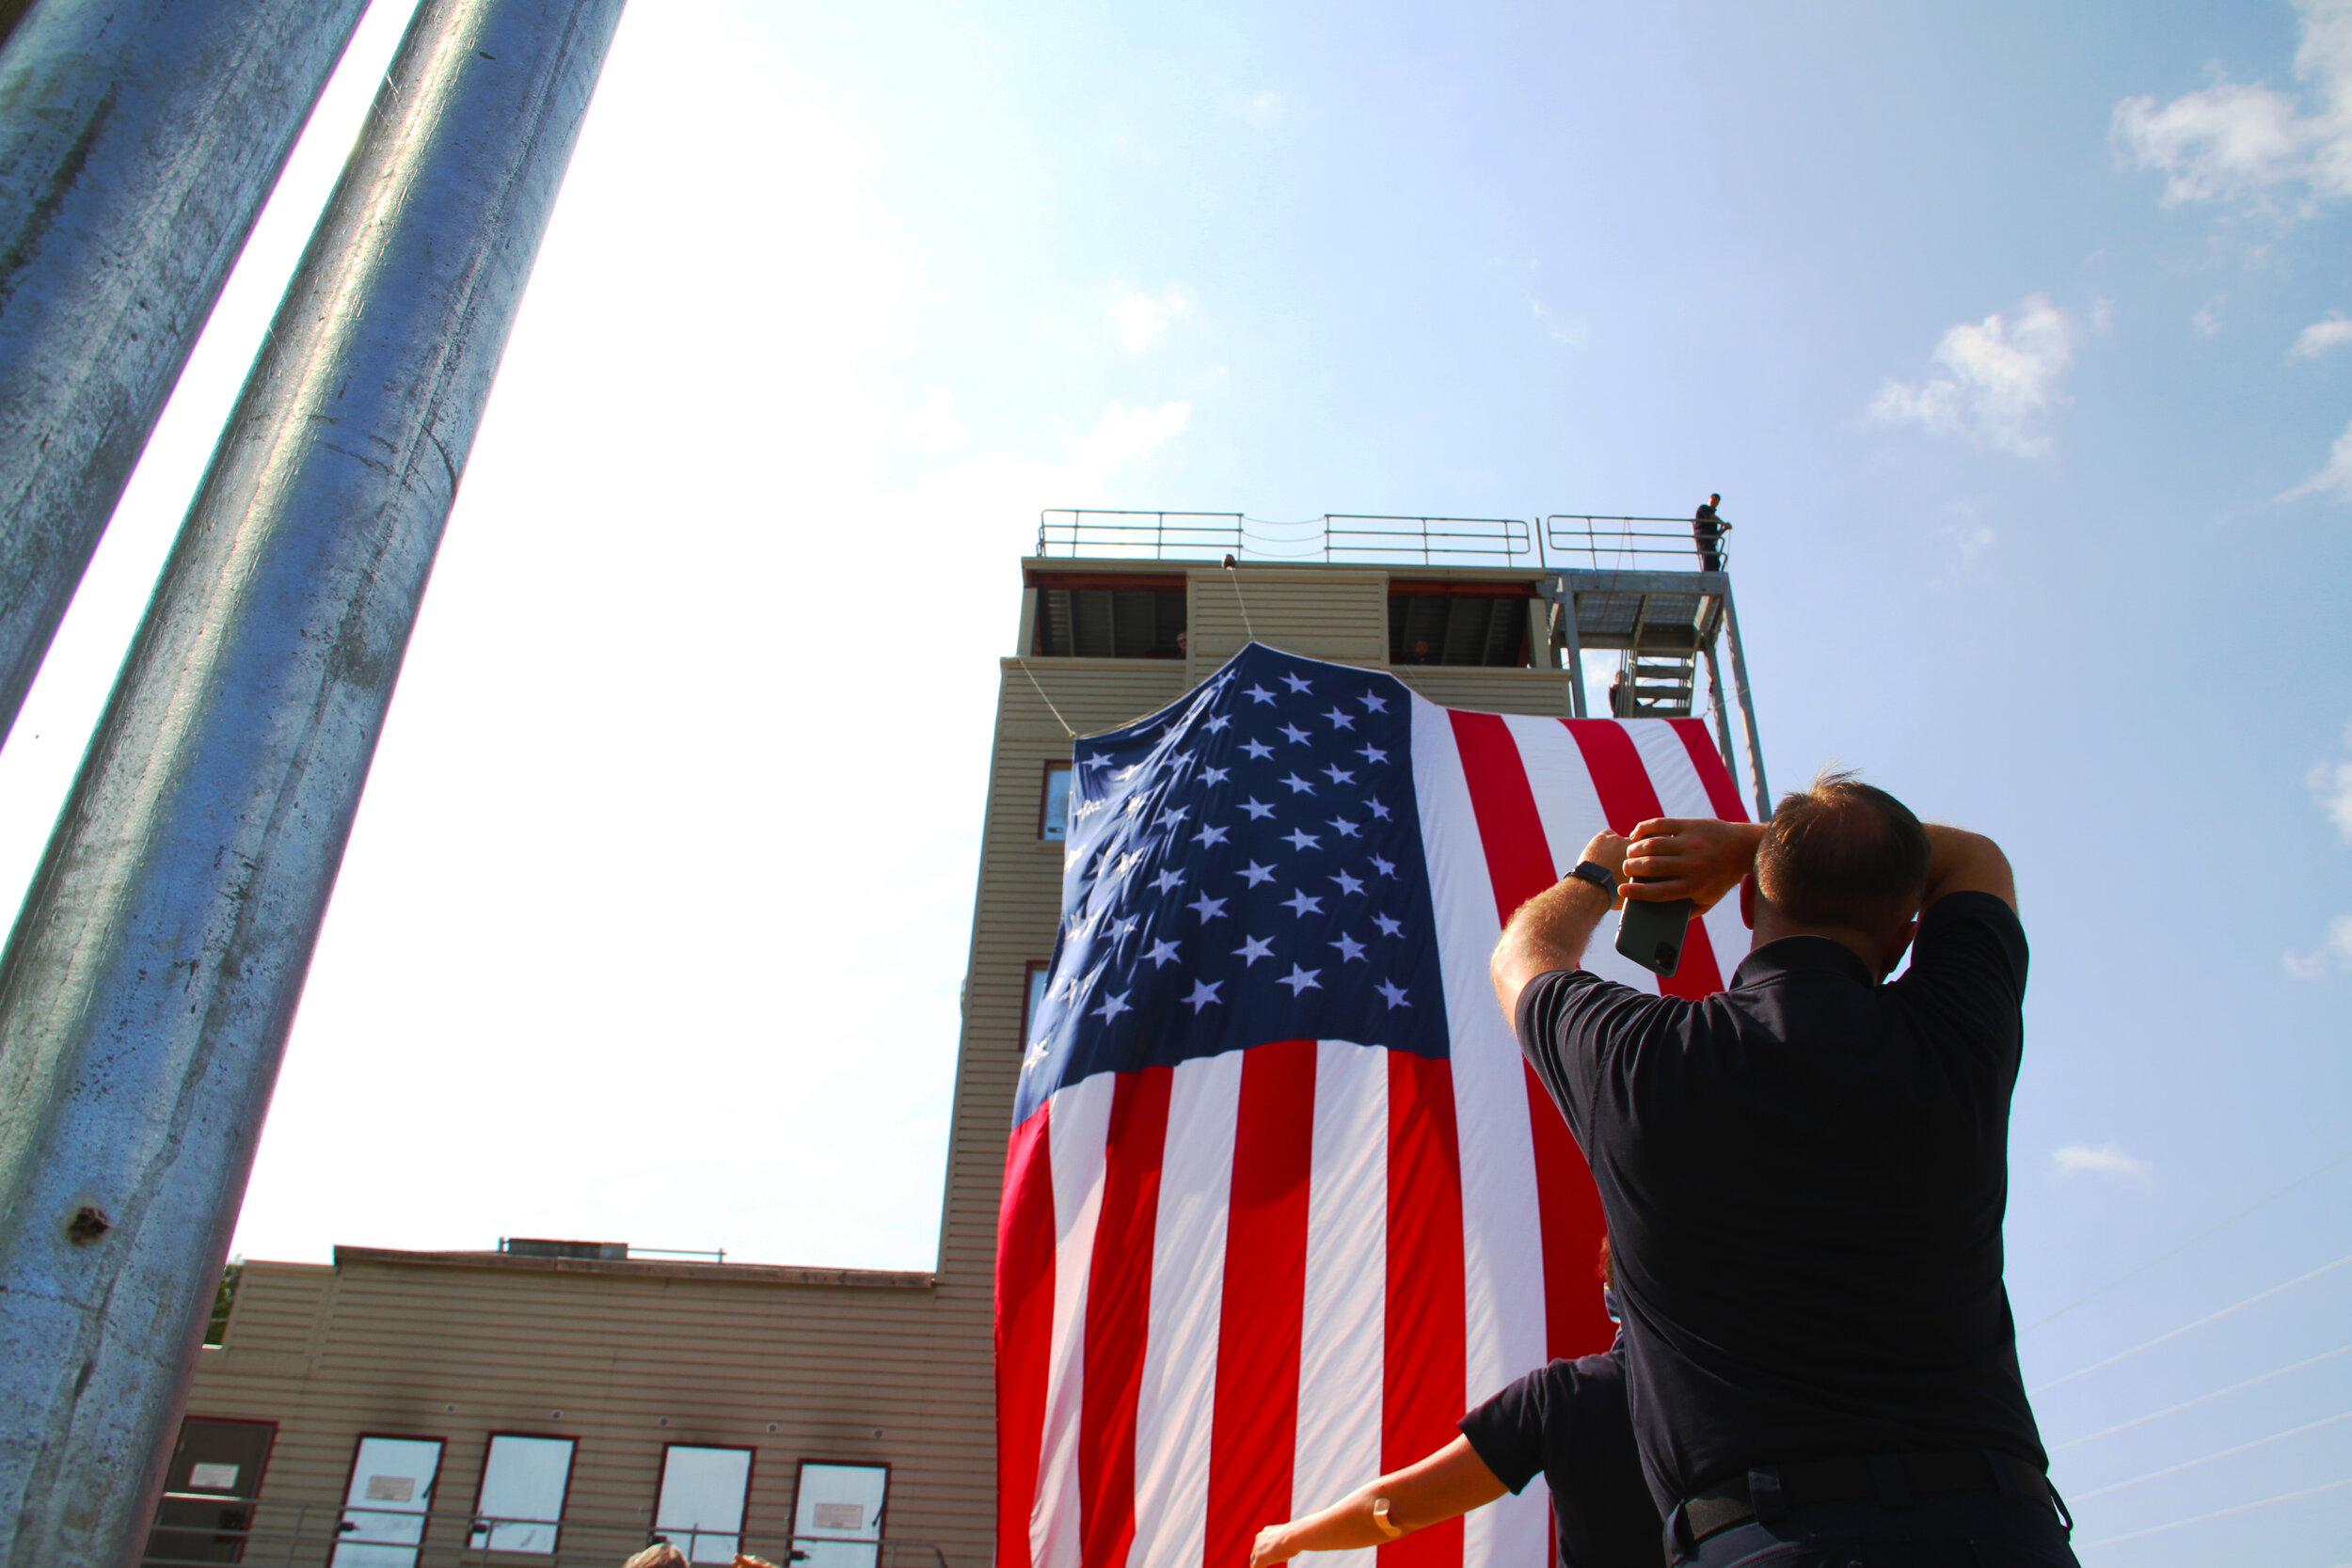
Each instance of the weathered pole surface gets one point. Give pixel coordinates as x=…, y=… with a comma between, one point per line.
x=137, y=140
x=147, y=989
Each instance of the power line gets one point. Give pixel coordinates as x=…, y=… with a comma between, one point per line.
x=2175, y=1252
x=2218, y=1514
x=2176, y=1409
x=2208, y=1318
x=2192, y=1464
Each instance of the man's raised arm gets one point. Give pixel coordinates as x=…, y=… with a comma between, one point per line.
x=1551, y=929
x=1962, y=862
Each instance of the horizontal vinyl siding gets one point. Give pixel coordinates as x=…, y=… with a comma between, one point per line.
x=1490, y=690
x=1337, y=613
x=395, y=1345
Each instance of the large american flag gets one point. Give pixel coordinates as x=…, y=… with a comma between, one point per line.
x=1282, y=1201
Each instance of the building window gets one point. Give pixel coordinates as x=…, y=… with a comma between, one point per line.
x=206, y=1514
x=524, y=1481
x=1474, y=623
x=837, y=1512
x=1109, y=617
x=385, y=1504
x=1053, y=810
x=1033, y=997
x=700, y=1509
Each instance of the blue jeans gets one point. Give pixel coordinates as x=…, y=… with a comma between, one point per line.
x=1963, y=1530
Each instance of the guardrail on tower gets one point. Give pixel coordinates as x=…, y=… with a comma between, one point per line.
x=1605, y=541
x=1361, y=537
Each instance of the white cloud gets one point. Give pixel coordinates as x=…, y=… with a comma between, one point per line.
x=2334, y=952
x=2242, y=141
x=2333, y=480
x=1142, y=318
x=1567, y=331
x=2332, y=783
x=2321, y=336
x=2106, y=1159
x=1121, y=437
x=2000, y=382
x=2206, y=322
x=933, y=429
x=1259, y=108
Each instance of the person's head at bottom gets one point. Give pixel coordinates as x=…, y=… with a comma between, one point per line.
x=660, y=1555
x=1842, y=860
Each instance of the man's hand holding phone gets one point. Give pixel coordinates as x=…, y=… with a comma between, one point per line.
x=1697, y=858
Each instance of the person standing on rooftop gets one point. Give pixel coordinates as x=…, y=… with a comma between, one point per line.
x=1707, y=530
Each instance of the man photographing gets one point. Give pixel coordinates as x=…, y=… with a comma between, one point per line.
x=1803, y=1177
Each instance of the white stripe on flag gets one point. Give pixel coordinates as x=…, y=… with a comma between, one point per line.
x=1076, y=1130
x=1682, y=793
x=1572, y=813
x=1502, y=1252
x=1176, y=1405
x=1344, y=1320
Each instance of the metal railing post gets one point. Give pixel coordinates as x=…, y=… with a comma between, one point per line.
x=137, y=141
x=1747, y=708
x=150, y=982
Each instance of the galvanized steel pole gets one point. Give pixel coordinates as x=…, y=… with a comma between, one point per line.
x=136, y=142
x=147, y=989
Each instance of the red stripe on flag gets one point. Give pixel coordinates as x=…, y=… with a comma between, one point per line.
x=1025, y=1329
x=1722, y=796
x=1422, y=1389
x=1255, y=1435
x=1520, y=863
x=1630, y=799
x=1118, y=1315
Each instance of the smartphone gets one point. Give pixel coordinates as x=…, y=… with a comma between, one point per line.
x=1651, y=934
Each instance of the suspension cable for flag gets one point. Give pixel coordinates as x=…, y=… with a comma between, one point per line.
x=2201, y=1398
x=2176, y=1251
x=1049, y=701
x=2218, y=1514
x=2192, y=1464
x=2208, y=1318
x=1234, y=567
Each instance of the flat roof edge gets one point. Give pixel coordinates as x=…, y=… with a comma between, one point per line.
x=739, y=1273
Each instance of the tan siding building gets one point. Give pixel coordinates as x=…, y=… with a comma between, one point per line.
x=661, y=1373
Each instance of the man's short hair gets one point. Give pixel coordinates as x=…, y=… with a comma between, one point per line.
x=1843, y=853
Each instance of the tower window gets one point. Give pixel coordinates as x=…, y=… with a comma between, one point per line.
x=1458, y=624
x=1110, y=617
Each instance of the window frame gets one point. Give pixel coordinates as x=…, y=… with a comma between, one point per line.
x=881, y=1516
x=1030, y=972
x=1045, y=795
x=563, y=1504
x=351, y=1471
x=661, y=1479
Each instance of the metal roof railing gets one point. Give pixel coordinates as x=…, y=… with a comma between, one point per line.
x=1363, y=537
x=1605, y=541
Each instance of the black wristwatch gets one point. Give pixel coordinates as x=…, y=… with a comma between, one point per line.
x=1599, y=875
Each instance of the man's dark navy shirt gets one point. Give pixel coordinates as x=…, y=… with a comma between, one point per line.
x=1803, y=1177
x=1568, y=1421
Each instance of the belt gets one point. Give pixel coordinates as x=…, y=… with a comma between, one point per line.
x=1768, y=1490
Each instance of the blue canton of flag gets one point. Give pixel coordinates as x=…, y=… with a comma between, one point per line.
x=1244, y=866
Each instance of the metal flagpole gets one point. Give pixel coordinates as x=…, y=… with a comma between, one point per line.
x=136, y=142
x=147, y=989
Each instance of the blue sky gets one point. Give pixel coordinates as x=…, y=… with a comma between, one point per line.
x=2004, y=331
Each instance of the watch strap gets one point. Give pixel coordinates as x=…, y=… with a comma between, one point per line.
x=1596, y=874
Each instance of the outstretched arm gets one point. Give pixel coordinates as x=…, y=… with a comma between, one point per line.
x=1551, y=929
x=1447, y=1484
